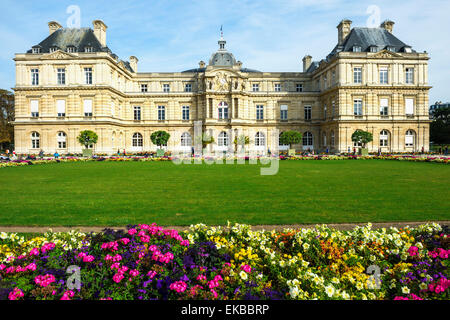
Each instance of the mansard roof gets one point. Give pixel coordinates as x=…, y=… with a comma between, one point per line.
x=368, y=37
x=72, y=37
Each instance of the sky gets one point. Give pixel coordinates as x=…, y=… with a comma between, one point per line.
x=267, y=35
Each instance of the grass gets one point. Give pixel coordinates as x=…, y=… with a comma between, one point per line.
x=117, y=194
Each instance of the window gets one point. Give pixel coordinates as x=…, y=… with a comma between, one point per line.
x=259, y=112
x=223, y=139
x=357, y=107
x=186, y=140
x=410, y=138
x=260, y=139
x=277, y=87
x=36, y=50
x=61, y=108
x=137, y=113
x=409, y=106
x=88, y=75
x=53, y=49
x=390, y=48
x=384, y=138
x=35, y=140
x=144, y=88
x=62, y=140
x=255, y=87
x=332, y=138
x=138, y=141
x=283, y=112
x=223, y=110
x=409, y=75
x=71, y=49
x=188, y=87
x=166, y=87
x=185, y=113
x=87, y=107
x=324, y=111
x=307, y=139
x=324, y=135
x=61, y=72
x=299, y=87
x=325, y=82
x=384, y=107
x=88, y=49
x=333, y=77
x=34, y=77
x=373, y=49
x=356, y=49
x=161, y=113
x=357, y=75
x=383, y=76
x=333, y=108
x=34, y=108
x=308, y=112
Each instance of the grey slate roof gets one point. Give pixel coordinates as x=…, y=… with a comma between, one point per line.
x=367, y=37
x=199, y=70
x=65, y=37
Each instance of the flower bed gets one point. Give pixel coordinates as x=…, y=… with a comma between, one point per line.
x=149, y=262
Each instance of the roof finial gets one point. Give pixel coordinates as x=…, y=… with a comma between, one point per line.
x=222, y=41
x=221, y=31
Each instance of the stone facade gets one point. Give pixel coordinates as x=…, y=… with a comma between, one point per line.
x=326, y=102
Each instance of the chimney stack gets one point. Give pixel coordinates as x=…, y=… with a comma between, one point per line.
x=344, y=29
x=133, y=63
x=100, y=31
x=388, y=25
x=53, y=26
x=201, y=64
x=306, y=62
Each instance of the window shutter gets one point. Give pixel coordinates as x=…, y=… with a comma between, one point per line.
x=34, y=105
x=409, y=104
x=87, y=106
x=61, y=106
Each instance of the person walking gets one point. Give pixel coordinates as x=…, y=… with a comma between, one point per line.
x=56, y=155
x=41, y=154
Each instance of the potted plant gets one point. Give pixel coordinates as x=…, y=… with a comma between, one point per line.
x=87, y=138
x=160, y=138
x=241, y=140
x=290, y=138
x=363, y=138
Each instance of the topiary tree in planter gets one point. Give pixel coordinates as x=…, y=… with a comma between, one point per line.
x=290, y=138
x=362, y=137
x=160, y=138
x=86, y=139
x=241, y=141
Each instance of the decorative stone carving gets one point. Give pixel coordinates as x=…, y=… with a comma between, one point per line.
x=221, y=82
x=57, y=55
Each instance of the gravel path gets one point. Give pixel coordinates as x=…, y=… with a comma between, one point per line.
x=345, y=226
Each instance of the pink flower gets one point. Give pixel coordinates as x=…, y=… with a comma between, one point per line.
x=125, y=241
x=151, y=274
x=413, y=251
x=118, y=277
x=15, y=294
x=201, y=277
x=214, y=293
x=34, y=252
x=132, y=232
x=134, y=273
x=179, y=286
x=44, y=281
x=31, y=267
x=2, y=266
x=67, y=295
x=185, y=243
x=48, y=247
x=145, y=238
x=246, y=268
x=401, y=298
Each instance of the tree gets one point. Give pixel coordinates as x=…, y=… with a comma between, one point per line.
x=160, y=138
x=87, y=138
x=241, y=141
x=290, y=138
x=6, y=119
x=440, y=127
x=363, y=137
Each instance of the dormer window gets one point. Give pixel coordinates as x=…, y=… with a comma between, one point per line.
x=407, y=49
x=36, y=50
x=390, y=48
x=53, y=49
x=71, y=49
x=356, y=49
x=373, y=49
x=88, y=49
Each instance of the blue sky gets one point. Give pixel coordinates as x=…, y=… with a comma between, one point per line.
x=268, y=35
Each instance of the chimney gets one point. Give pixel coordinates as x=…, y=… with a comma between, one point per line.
x=100, y=31
x=306, y=62
x=343, y=30
x=133, y=63
x=53, y=26
x=201, y=64
x=388, y=25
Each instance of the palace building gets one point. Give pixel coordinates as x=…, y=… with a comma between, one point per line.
x=72, y=81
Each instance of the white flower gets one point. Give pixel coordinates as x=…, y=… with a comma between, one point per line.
x=243, y=275
x=345, y=295
x=305, y=246
x=405, y=290
x=329, y=290
x=294, y=292
x=359, y=286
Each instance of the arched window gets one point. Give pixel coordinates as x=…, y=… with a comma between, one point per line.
x=260, y=139
x=62, y=140
x=223, y=140
x=35, y=140
x=186, y=140
x=223, y=110
x=384, y=138
x=307, y=139
x=410, y=138
x=138, y=141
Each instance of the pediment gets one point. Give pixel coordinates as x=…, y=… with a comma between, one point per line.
x=386, y=54
x=58, y=55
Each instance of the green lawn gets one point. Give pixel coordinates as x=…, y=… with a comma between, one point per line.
x=117, y=194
